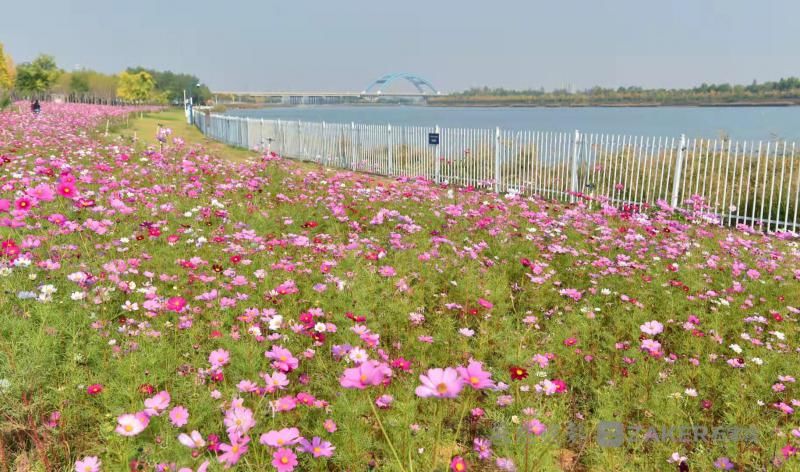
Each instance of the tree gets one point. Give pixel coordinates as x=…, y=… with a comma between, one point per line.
x=172, y=85
x=37, y=76
x=6, y=70
x=79, y=82
x=135, y=87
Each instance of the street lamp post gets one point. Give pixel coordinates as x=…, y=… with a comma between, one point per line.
x=188, y=105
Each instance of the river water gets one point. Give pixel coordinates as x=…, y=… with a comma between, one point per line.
x=737, y=123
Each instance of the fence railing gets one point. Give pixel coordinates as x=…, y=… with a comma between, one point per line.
x=751, y=183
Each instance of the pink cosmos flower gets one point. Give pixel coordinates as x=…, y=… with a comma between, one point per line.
x=651, y=345
x=203, y=468
x=367, y=374
x=329, y=425
x=282, y=358
x=88, y=464
x=440, y=383
x=284, y=437
x=179, y=416
x=276, y=381
x=176, y=304
x=535, y=427
x=192, y=441
x=67, y=190
x=384, y=401
x=287, y=403
x=284, y=460
x=458, y=464
x=23, y=204
x=156, y=404
x=42, y=192
x=219, y=358
x=571, y=293
x=387, y=271
x=474, y=375
x=239, y=420
x=485, y=303
x=652, y=328
x=231, y=453
x=132, y=424
x=317, y=447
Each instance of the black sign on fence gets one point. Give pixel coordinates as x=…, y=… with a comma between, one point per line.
x=433, y=138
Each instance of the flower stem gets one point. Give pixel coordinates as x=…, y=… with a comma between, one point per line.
x=386, y=436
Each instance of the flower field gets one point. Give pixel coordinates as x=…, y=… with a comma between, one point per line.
x=164, y=308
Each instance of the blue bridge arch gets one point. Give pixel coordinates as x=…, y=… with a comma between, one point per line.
x=418, y=82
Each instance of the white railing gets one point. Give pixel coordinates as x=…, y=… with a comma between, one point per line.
x=751, y=183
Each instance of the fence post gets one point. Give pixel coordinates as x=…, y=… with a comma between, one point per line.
x=497, y=160
x=391, y=145
x=279, y=132
x=302, y=141
x=324, y=145
x=437, y=164
x=676, y=179
x=261, y=134
x=353, y=145
x=575, y=156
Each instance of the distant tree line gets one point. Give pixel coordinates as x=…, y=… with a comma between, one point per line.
x=783, y=90
x=42, y=76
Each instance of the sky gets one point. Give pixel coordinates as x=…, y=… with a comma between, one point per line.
x=342, y=45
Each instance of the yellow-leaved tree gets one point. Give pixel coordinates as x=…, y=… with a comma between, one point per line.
x=7, y=71
x=135, y=87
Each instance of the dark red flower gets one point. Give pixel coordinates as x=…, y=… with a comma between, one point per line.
x=517, y=373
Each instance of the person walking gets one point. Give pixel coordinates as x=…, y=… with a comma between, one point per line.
x=36, y=107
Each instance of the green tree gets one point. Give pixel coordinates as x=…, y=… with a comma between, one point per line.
x=6, y=70
x=37, y=76
x=79, y=82
x=135, y=87
x=172, y=85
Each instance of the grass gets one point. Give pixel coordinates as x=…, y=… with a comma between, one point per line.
x=144, y=127
x=233, y=228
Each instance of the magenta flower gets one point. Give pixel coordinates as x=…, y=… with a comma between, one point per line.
x=458, y=464
x=67, y=190
x=440, y=383
x=317, y=447
x=474, y=375
x=179, y=416
x=176, y=304
x=367, y=374
x=284, y=460
x=284, y=437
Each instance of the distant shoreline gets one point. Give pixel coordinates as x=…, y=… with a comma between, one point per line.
x=786, y=103
x=771, y=104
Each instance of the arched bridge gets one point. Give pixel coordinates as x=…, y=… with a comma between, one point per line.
x=378, y=88
x=418, y=82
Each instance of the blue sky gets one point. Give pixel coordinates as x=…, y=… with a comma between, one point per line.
x=344, y=44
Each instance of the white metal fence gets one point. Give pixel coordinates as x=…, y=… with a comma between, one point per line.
x=751, y=183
